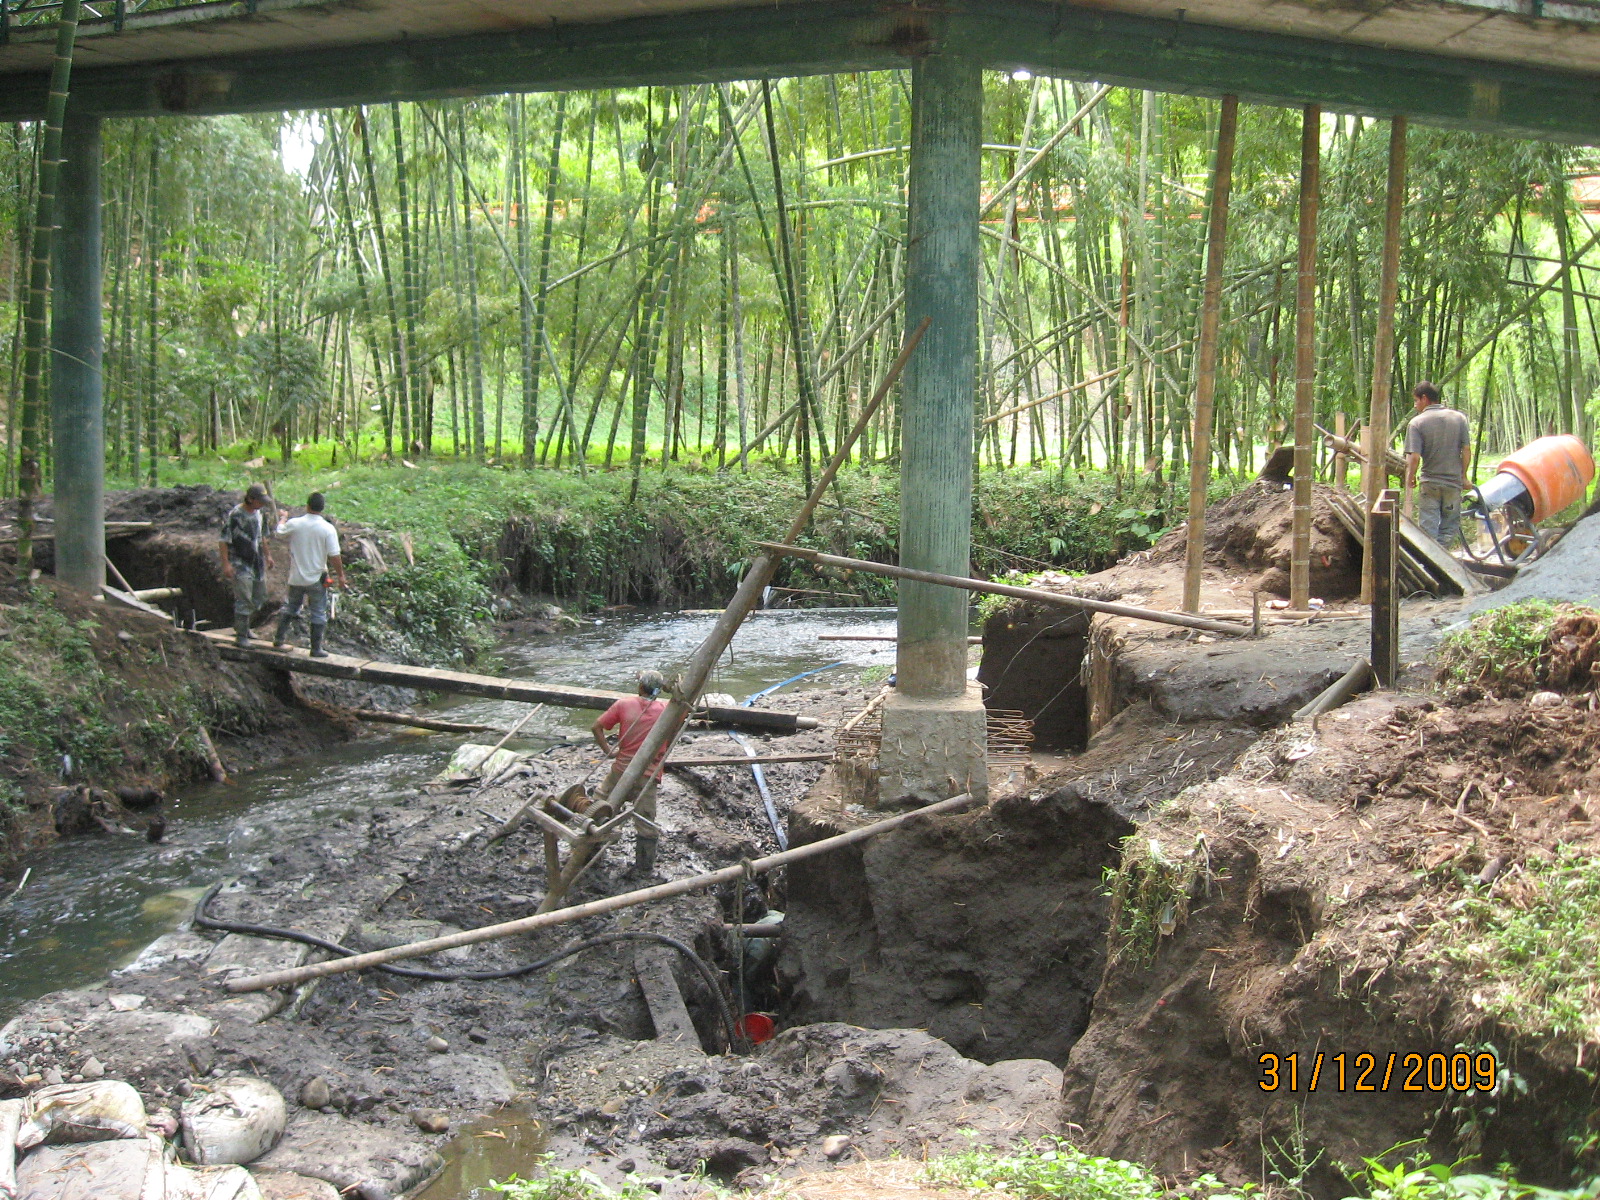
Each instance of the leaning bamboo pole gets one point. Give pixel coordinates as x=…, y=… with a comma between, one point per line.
x=1038, y=595
x=295, y=976
x=1206, y=368
x=1374, y=480
x=1305, y=358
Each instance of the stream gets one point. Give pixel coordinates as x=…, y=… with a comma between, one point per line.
x=92, y=903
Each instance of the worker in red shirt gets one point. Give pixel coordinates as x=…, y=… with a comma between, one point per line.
x=632, y=718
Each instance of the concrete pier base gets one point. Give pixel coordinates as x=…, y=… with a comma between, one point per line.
x=932, y=749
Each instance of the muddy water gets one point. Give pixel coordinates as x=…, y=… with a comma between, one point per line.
x=92, y=903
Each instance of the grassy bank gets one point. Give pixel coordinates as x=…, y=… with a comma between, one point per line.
x=686, y=535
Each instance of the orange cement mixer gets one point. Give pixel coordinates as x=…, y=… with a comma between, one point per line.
x=1530, y=486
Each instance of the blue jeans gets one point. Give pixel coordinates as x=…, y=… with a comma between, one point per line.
x=1439, y=512
x=316, y=594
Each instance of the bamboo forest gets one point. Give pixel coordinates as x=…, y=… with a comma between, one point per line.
x=633, y=278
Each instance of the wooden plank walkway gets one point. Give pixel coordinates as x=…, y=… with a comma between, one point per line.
x=464, y=683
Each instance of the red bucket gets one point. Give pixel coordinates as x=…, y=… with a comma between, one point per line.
x=758, y=1027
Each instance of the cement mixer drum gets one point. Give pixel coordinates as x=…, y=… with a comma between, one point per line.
x=1554, y=471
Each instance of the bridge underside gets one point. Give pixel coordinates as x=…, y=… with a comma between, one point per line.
x=1465, y=66
x=1487, y=65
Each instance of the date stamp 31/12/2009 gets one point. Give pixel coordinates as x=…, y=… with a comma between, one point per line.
x=1383, y=1072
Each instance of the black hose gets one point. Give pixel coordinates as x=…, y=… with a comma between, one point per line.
x=707, y=975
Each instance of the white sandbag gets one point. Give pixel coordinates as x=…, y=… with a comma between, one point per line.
x=127, y=1169
x=227, y=1183
x=237, y=1121
x=10, y=1121
x=81, y=1112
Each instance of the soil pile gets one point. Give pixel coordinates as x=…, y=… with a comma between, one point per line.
x=1338, y=895
x=1570, y=571
x=1250, y=533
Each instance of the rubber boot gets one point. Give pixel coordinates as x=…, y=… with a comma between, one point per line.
x=281, y=641
x=644, y=856
x=241, y=631
x=317, y=634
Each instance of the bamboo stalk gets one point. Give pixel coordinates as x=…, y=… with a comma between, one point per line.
x=295, y=976
x=1376, y=479
x=1206, y=371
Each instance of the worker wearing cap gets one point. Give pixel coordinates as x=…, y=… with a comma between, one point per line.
x=633, y=717
x=1439, y=442
x=246, y=558
x=313, y=549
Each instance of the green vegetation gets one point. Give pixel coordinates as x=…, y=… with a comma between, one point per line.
x=1054, y=1169
x=64, y=692
x=1151, y=889
x=1529, y=950
x=1418, y=1177
x=569, y=1183
x=1506, y=643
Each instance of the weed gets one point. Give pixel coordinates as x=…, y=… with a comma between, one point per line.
x=1505, y=645
x=1531, y=947
x=1420, y=1178
x=1150, y=893
x=570, y=1183
x=1054, y=1169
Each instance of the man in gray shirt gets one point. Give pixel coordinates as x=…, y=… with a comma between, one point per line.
x=1439, y=442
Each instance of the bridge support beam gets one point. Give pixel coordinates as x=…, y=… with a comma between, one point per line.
x=77, y=409
x=933, y=728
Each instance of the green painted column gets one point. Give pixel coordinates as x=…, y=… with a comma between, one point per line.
x=77, y=412
x=942, y=262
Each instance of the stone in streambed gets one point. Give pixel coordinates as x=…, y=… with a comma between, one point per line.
x=430, y=1120
x=316, y=1093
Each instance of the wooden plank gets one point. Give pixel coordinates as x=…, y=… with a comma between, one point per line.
x=653, y=967
x=1439, y=561
x=735, y=760
x=464, y=683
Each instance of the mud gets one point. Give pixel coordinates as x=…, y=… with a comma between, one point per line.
x=1324, y=870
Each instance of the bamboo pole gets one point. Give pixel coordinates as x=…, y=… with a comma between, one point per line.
x=295, y=976
x=1206, y=366
x=744, y=760
x=684, y=694
x=1005, y=589
x=1375, y=479
x=1305, y=357
x=393, y=718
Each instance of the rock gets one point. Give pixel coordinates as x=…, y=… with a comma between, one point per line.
x=1544, y=699
x=359, y=1160
x=140, y=796
x=218, y=1183
x=316, y=1093
x=92, y=1068
x=430, y=1120
x=835, y=1145
x=238, y=1120
x=472, y=1081
x=53, y=1076
x=57, y=1027
x=437, y=1044
x=126, y=1002
x=286, y=1185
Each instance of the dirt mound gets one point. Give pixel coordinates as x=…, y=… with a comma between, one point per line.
x=1319, y=902
x=1251, y=533
x=891, y=1092
x=186, y=506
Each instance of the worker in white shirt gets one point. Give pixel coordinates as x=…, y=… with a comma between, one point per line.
x=313, y=550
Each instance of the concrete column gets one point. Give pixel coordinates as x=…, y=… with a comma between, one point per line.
x=942, y=263
x=934, y=726
x=77, y=410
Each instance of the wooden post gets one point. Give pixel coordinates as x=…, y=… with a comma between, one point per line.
x=1341, y=460
x=1384, y=544
x=1305, y=357
x=1206, y=362
x=1375, y=475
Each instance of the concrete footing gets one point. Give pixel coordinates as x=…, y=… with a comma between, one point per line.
x=933, y=749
